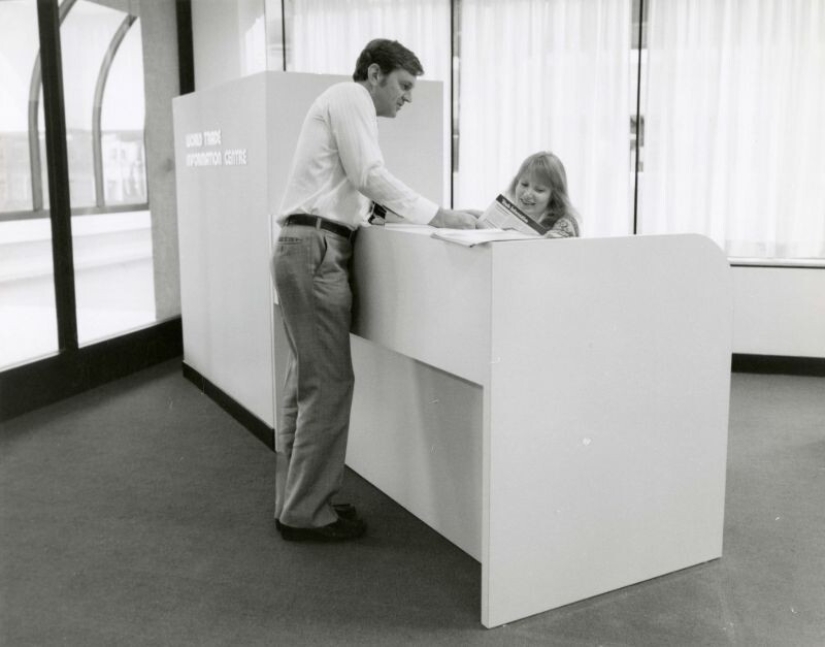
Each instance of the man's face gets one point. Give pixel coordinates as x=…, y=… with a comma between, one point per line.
x=392, y=91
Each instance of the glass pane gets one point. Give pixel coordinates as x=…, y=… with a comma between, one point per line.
x=103, y=84
x=123, y=114
x=28, y=316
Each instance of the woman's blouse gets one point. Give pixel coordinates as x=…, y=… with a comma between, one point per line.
x=564, y=227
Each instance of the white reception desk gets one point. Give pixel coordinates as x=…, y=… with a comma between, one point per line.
x=556, y=408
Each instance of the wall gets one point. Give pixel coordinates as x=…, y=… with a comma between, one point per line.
x=779, y=311
x=228, y=40
x=161, y=85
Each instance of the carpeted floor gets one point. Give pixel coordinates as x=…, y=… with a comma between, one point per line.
x=141, y=514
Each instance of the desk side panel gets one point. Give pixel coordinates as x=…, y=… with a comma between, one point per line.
x=609, y=416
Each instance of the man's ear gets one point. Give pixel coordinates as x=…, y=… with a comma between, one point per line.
x=374, y=74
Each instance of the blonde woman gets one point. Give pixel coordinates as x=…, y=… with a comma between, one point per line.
x=539, y=189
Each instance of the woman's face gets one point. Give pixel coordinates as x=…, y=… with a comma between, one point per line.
x=532, y=196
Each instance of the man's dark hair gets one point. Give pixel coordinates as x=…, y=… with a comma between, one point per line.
x=389, y=55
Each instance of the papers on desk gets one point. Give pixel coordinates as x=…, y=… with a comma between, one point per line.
x=409, y=227
x=468, y=237
x=473, y=237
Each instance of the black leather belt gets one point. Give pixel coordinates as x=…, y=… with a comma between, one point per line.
x=305, y=220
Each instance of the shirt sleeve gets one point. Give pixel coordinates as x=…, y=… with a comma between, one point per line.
x=354, y=127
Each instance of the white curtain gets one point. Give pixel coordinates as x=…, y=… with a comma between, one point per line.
x=735, y=124
x=326, y=36
x=548, y=75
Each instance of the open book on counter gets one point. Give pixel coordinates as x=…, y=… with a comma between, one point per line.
x=501, y=221
x=472, y=237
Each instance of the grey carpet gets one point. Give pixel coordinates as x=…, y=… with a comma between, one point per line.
x=140, y=514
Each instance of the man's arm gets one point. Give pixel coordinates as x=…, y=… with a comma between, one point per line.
x=355, y=128
x=453, y=219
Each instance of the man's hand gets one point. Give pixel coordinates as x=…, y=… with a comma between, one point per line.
x=453, y=219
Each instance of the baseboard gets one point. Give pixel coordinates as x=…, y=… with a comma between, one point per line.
x=30, y=386
x=253, y=424
x=778, y=364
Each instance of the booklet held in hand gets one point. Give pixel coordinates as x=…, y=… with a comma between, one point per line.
x=503, y=214
x=501, y=221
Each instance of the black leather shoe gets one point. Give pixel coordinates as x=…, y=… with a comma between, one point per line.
x=343, y=510
x=340, y=530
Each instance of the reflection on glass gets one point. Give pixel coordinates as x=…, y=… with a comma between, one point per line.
x=111, y=224
x=28, y=316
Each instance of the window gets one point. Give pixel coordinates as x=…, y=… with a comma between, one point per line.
x=28, y=318
x=729, y=125
x=111, y=222
x=124, y=251
x=734, y=126
x=547, y=75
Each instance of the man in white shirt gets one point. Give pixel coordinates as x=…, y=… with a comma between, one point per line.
x=337, y=173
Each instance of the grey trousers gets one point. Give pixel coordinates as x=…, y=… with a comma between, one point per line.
x=311, y=268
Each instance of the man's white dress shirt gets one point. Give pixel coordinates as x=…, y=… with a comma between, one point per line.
x=338, y=167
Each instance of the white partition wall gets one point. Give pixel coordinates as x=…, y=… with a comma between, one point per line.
x=223, y=226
